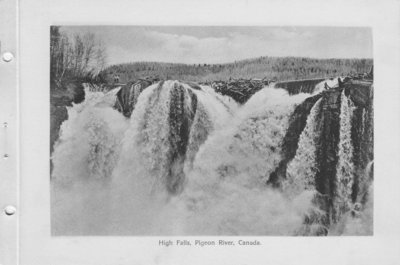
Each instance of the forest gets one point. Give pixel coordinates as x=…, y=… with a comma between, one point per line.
x=273, y=68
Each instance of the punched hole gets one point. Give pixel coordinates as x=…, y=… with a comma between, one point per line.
x=8, y=57
x=10, y=210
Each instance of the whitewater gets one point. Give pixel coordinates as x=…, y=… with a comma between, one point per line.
x=191, y=162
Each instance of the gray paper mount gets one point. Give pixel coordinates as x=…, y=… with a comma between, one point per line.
x=8, y=132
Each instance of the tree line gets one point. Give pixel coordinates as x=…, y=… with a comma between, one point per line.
x=279, y=68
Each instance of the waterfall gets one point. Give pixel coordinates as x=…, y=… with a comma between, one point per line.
x=193, y=162
x=213, y=112
x=89, y=141
x=84, y=158
x=250, y=142
x=225, y=192
x=161, y=135
x=169, y=124
x=301, y=170
x=345, y=167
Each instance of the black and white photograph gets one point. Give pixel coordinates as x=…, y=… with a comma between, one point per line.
x=211, y=130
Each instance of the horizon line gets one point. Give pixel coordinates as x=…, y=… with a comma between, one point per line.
x=250, y=58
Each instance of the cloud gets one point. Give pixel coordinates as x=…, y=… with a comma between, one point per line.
x=190, y=49
x=226, y=44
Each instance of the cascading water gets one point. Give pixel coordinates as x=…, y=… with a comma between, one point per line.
x=301, y=170
x=95, y=130
x=84, y=158
x=226, y=192
x=161, y=134
x=187, y=161
x=168, y=126
x=345, y=167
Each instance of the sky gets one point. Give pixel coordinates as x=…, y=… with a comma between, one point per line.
x=193, y=45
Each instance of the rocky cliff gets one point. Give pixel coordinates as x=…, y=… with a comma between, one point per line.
x=299, y=86
x=128, y=94
x=290, y=141
x=73, y=92
x=343, y=147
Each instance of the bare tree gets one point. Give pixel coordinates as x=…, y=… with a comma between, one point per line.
x=79, y=56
